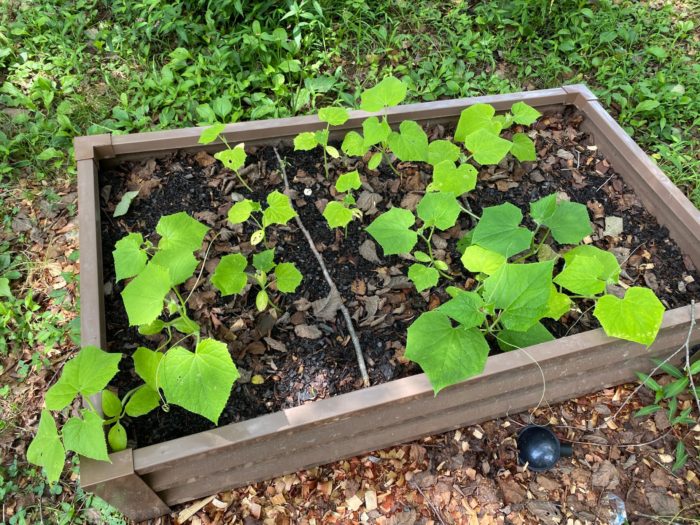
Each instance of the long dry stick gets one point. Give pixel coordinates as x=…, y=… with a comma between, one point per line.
x=331, y=284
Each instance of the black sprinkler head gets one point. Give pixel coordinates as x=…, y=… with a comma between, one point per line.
x=540, y=448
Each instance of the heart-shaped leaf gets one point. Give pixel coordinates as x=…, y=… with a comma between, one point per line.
x=637, y=317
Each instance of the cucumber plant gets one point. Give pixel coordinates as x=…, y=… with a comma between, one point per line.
x=278, y=211
x=232, y=158
x=339, y=214
x=230, y=276
x=308, y=140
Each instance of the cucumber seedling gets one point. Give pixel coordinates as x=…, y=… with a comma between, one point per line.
x=338, y=214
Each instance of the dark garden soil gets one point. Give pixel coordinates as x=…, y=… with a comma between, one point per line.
x=304, y=352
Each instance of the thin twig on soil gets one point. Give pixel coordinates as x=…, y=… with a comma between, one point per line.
x=432, y=506
x=687, y=356
x=329, y=280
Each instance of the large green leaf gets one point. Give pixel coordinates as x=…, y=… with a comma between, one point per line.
x=305, y=141
x=146, y=364
x=337, y=215
x=465, y=307
x=568, y=221
x=199, y=381
x=86, y=436
x=264, y=261
x=334, y=116
x=46, y=449
x=142, y=401
x=232, y=158
x=288, y=277
x=512, y=339
x=582, y=276
x=348, y=181
x=439, y=209
x=446, y=354
x=473, y=118
x=129, y=258
x=610, y=272
x=375, y=131
x=353, y=144
x=637, y=317
x=392, y=230
x=240, y=212
x=499, y=230
x=423, y=276
x=523, y=148
x=180, y=232
x=487, y=147
x=86, y=374
x=211, y=133
x=521, y=291
x=524, y=114
x=452, y=179
x=411, y=143
x=442, y=150
x=230, y=277
x=143, y=297
x=480, y=260
x=279, y=210
x=557, y=305
x=389, y=92
x=180, y=264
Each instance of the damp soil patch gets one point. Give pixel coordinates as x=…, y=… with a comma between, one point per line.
x=303, y=352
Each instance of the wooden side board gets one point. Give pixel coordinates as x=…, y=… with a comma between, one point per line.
x=143, y=482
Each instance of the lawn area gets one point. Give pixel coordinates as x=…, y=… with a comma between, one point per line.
x=78, y=67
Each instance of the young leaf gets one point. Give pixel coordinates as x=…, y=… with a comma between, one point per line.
x=647, y=410
x=636, y=318
x=146, y=364
x=439, y=209
x=230, y=277
x=211, y=133
x=480, y=260
x=582, y=276
x=353, y=144
x=521, y=291
x=117, y=437
x=512, y=339
x=375, y=131
x=232, y=158
x=487, y=147
x=129, y=258
x=451, y=179
x=87, y=373
x=392, y=231
x=185, y=325
x=143, y=297
x=524, y=114
x=180, y=232
x=423, y=277
x=465, y=307
x=411, y=144
x=305, y=141
x=142, y=401
x=558, y=304
x=334, y=116
x=321, y=136
x=288, y=277
x=442, y=150
x=124, y=203
x=333, y=152
x=348, y=181
x=180, y=264
x=473, y=118
x=46, y=449
x=447, y=355
x=523, y=148
x=262, y=300
x=279, y=210
x=568, y=221
x=421, y=256
x=111, y=406
x=337, y=215
x=610, y=272
x=499, y=230
x=240, y=212
x=375, y=160
x=676, y=387
x=264, y=261
x=681, y=457
x=86, y=436
x=199, y=381
x=389, y=92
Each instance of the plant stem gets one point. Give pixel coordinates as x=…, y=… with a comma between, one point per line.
x=242, y=181
x=470, y=213
x=331, y=284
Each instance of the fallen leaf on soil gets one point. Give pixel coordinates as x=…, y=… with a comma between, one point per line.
x=613, y=226
x=307, y=331
x=204, y=159
x=368, y=250
x=326, y=307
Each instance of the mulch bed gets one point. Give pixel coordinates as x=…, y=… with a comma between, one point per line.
x=303, y=356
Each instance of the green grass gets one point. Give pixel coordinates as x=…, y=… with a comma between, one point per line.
x=74, y=67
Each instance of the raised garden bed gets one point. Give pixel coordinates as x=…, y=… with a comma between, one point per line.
x=308, y=409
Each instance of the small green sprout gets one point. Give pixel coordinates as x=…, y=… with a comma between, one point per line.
x=338, y=214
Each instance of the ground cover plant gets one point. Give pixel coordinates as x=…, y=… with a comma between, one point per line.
x=82, y=67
